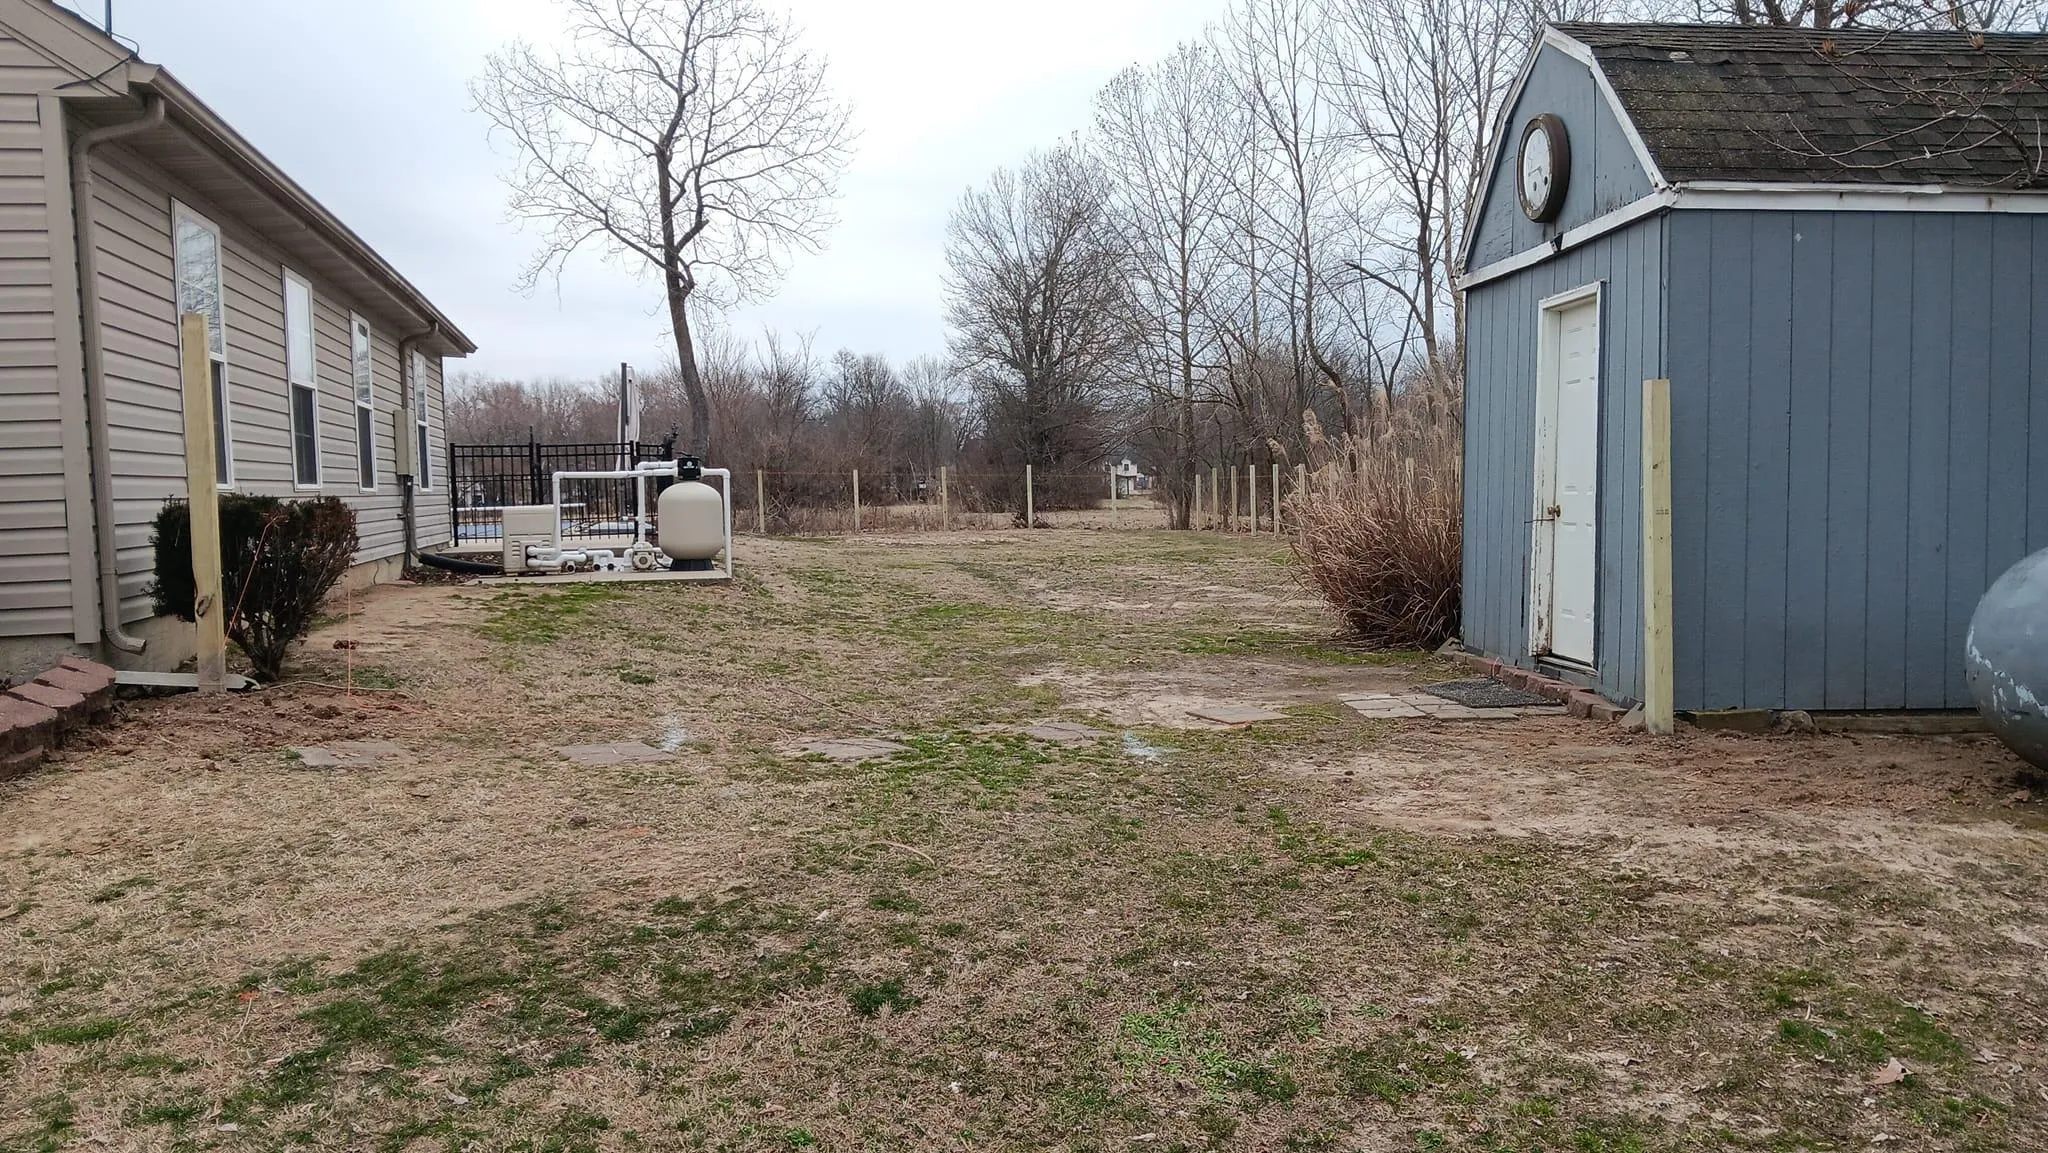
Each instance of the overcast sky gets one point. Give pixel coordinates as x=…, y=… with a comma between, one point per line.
x=364, y=103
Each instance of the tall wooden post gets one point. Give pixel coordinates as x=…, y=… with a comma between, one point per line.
x=945, y=516
x=196, y=374
x=1230, y=514
x=1276, y=498
x=1195, y=503
x=1030, y=514
x=1112, y=495
x=1657, y=661
x=1251, y=482
x=761, y=501
x=1215, y=500
x=856, y=502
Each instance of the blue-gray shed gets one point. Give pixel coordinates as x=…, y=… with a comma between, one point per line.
x=1832, y=245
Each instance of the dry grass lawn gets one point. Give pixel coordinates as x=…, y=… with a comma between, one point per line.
x=1318, y=934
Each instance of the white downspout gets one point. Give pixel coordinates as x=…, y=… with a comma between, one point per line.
x=95, y=364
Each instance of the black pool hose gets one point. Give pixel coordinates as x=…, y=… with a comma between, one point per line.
x=457, y=564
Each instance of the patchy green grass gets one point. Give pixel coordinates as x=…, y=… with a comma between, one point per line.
x=547, y=615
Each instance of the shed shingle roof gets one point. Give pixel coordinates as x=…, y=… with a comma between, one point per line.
x=1840, y=107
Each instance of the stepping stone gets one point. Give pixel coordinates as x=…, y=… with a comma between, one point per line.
x=1236, y=714
x=1384, y=706
x=1064, y=732
x=854, y=749
x=350, y=755
x=617, y=753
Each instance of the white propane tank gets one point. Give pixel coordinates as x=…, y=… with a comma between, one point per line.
x=692, y=521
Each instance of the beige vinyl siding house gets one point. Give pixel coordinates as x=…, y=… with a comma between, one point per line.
x=244, y=222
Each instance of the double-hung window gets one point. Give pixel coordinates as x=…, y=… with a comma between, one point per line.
x=197, y=259
x=304, y=383
x=366, y=402
x=424, y=455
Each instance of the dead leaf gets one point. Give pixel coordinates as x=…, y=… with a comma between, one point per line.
x=1893, y=1072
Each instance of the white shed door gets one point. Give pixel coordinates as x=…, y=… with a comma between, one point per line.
x=1567, y=476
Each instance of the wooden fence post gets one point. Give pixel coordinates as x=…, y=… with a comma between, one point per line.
x=1030, y=515
x=1215, y=500
x=1276, y=498
x=856, y=502
x=1112, y=496
x=1230, y=514
x=1195, y=503
x=1251, y=482
x=761, y=501
x=203, y=500
x=1657, y=661
x=945, y=518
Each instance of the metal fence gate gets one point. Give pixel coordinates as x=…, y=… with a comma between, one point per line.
x=485, y=478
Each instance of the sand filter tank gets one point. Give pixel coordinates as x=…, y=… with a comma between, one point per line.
x=692, y=519
x=2005, y=659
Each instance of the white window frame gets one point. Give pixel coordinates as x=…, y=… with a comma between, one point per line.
x=365, y=402
x=224, y=415
x=311, y=384
x=423, y=467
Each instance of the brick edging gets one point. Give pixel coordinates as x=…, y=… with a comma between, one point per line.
x=1580, y=702
x=35, y=716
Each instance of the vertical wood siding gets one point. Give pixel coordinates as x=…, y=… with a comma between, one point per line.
x=1500, y=444
x=133, y=210
x=1605, y=173
x=1860, y=447
x=35, y=562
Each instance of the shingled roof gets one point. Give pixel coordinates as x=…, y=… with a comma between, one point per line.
x=1839, y=107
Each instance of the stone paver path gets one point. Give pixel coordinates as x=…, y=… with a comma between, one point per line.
x=616, y=753
x=1236, y=714
x=1418, y=706
x=854, y=749
x=1064, y=732
x=350, y=755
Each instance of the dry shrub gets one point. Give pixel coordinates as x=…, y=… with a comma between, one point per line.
x=1378, y=530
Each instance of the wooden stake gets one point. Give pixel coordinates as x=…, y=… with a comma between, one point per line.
x=761, y=501
x=1276, y=498
x=1251, y=482
x=1112, y=495
x=1195, y=503
x=1030, y=516
x=856, y=501
x=1230, y=514
x=1658, y=716
x=203, y=496
x=1215, y=500
x=945, y=518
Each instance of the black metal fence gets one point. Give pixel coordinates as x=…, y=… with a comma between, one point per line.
x=485, y=478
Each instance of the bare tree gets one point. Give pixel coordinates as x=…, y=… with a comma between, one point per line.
x=1154, y=131
x=692, y=138
x=1038, y=300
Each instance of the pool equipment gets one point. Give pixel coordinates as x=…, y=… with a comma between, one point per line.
x=691, y=528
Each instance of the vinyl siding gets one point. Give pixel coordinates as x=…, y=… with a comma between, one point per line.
x=133, y=206
x=1605, y=174
x=1500, y=445
x=1860, y=447
x=35, y=559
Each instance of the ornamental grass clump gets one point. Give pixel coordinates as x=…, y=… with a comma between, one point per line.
x=1378, y=528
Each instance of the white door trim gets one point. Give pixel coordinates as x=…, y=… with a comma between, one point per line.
x=1549, y=330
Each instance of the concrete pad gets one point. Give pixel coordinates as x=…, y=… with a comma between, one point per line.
x=1236, y=714
x=1383, y=706
x=854, y=749
x=617, y=753
x=1064, y=732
